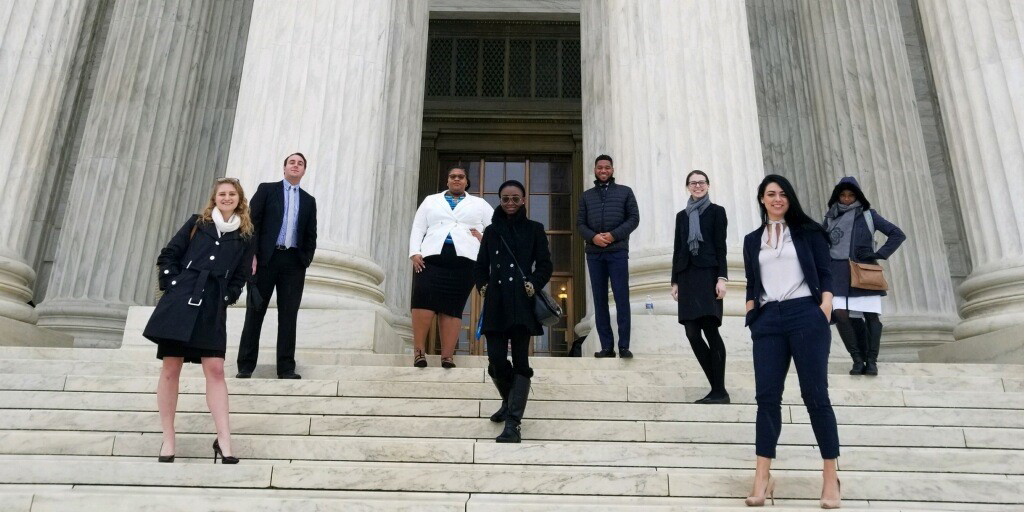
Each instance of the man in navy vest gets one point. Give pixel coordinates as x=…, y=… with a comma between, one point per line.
x=284, y=217
x=608, y=213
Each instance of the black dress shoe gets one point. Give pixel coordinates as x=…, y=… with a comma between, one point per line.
x=605, y=353
x=292, y=375
x=717, y=398
x=858, y=368
x=871, y=368
x=243, y=375
x=624, y=353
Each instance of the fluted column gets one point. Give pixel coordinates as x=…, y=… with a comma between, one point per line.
x=399, y=181
x=788, y=141
x=865, y=115
x=126, y=183
x=976, y=49
x=667, y=88
x=323, y=78
x=38, y=39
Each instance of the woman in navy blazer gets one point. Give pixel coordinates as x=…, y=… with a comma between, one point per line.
x=789, y=304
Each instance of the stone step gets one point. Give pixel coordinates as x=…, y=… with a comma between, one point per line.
x=482, y=428
x=514, y=479
x=539, y=409
x=544, y=453
x=312, y=358
x=478, y=375
x=669, y=394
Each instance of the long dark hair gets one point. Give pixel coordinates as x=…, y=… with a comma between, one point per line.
x=795, y=216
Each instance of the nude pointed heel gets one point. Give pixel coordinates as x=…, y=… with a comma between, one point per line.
x=836, y=503
x=769, y=493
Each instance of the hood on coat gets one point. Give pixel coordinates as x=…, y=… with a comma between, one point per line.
x=849, y=183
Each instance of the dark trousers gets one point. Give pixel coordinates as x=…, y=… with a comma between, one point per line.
x=287, y=275
x=613, y=266
x=497, y=352
x=794, y=329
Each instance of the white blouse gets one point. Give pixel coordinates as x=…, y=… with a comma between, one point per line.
x=781, y=275
x=435, y=220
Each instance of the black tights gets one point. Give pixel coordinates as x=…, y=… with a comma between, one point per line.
x=710, y=354
x=862, y=337
x=497, y=352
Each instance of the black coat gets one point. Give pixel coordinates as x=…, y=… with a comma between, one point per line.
x=607, y=209
x=506, y=303
x=267, y=210
x=812, y=251
x=204, y=270
x=711, y=252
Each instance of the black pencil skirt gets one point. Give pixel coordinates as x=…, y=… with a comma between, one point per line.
x=444, y=285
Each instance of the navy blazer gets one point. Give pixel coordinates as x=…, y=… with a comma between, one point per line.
x=812, y=251
x=267, y=210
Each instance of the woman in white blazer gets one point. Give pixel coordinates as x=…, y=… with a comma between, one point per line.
x=443, y=245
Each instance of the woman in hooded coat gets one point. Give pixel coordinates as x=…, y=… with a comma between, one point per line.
x=851, y=223
x=514, y=263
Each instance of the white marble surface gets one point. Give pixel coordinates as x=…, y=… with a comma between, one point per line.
x=975, y=49
x=868, y=127
x=39, y=39
x=334, y=329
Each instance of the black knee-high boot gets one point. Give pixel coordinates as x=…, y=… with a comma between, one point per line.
x=849, y=336
x=517, y=399
x=874, y=338
x=501, y=376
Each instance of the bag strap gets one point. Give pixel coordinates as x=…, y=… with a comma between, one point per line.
x=516, y=261
x=192, y=234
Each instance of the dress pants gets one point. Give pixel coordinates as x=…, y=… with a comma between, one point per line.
x=285, y=273
x=497, y=352
x=794, y=330
x=603, y=267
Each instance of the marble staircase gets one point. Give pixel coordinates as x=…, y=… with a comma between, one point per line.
x=79, y=431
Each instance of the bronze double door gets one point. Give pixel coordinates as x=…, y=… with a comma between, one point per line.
x=549, y=200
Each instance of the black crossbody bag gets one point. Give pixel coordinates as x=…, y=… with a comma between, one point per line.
x=547, y=311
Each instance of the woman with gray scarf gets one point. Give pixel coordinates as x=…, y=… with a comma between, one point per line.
x=851, y=223
x=699, y=274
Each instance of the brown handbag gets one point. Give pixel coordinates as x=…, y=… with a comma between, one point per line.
x=867, y=277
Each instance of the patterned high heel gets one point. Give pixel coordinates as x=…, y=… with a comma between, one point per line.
x=223, y=458
x=769, y=493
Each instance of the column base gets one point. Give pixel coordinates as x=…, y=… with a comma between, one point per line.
x=16, y=278
x=904, y=336
x=93, y=324
x=338, y=279
x=993, y=299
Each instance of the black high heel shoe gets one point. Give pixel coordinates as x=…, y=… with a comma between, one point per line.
x=164, y=458
x=223, y=458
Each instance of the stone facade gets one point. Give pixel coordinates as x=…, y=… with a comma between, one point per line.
x=115, y=115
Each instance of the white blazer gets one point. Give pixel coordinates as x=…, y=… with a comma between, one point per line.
x=435, y=219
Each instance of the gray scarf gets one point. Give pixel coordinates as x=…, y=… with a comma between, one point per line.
x=839, y=224
x=694, y=209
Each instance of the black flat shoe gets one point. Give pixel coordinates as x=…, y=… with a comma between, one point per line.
x=624, y=353
x=290, y=376
x=243, y=375
x=717, y=399
x=604, y=353
x=223, y=458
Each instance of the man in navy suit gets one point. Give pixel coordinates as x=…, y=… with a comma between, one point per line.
x=284, y=217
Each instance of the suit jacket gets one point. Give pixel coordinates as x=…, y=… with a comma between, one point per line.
x=267, y=210
x=711, y=252
x=811, y=249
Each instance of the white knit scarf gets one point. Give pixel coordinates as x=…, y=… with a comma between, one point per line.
x=225, y=226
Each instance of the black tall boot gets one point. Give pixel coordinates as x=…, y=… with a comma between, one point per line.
x=849, y=336
x=503, y=383
x=874, y=337
x=517, y=399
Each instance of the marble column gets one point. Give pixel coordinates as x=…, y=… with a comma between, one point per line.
x=38, y=40
x=788, y=141
x=128, y=175
x=328, y=79
x=868, y=127
x=397, y=187
x=976, y=49
x=668, y=87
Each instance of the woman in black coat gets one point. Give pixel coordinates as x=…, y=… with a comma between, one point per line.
x=851, y=226
x=699, y=274
x=508, y=311
x=201, y=272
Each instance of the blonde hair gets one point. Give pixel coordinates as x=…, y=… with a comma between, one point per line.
x=242, y=210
